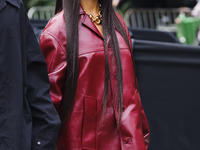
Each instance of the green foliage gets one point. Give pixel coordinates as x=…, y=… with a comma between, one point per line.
x=30, y=3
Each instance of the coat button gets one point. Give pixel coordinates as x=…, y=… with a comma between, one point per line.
x=127, y=140
x=123, y=109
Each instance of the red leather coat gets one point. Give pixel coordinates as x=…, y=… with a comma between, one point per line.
x=86, y=129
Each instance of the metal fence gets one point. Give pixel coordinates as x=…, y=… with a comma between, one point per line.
x=158, y=18
x=41, y=12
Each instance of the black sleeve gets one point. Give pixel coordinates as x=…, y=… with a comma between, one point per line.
x=45, y=119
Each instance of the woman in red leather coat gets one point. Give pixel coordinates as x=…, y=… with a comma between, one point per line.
x=88, y=52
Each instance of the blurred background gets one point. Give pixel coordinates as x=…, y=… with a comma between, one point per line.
x=31, y=3
x=179, y=17
x=129, y=3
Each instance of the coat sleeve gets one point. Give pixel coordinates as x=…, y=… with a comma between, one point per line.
x=145, y=126
x=45, y=120
x=55, y=57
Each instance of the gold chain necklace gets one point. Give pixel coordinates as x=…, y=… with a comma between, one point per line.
x=98, y=19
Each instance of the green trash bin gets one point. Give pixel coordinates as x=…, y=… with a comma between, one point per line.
x=187, y=29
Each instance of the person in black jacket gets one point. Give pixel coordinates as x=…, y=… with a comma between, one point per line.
x=28, y=119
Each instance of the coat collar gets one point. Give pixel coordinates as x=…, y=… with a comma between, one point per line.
x=86, y=21
x=81, y=11
x=15, y=3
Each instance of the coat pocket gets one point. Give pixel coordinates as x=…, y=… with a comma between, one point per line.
x=89, y=124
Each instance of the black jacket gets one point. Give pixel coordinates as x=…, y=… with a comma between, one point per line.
x=28, y=120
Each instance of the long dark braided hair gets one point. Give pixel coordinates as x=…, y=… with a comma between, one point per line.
x=110, y=22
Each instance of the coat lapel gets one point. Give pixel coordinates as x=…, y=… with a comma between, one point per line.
x=87, y=22
x=2, y=4
x=16, y=3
